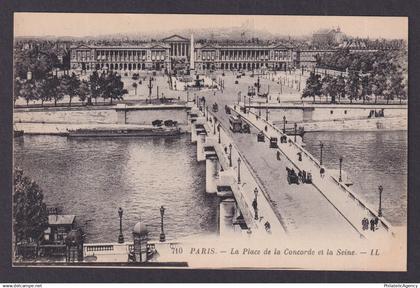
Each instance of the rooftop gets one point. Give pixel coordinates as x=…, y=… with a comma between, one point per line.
x=61, y=219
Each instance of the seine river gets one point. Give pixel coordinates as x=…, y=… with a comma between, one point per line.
x=91, y=178
x=371, y=159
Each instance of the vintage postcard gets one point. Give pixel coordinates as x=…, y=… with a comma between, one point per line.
x=210, y=141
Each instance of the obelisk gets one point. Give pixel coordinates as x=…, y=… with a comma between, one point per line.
x=192, y=53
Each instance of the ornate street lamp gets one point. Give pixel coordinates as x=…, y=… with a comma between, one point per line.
x=120, y=237
x=150, y=86
x=162, y=234
x=341, y=163
x=230, y=155
x=380, y=200
x=239, y=170
x=214, y=126
x=218, y=129
x=295, y=130
x=284, y=124
x=321, y=145
x=256, y=193
x=266, y=113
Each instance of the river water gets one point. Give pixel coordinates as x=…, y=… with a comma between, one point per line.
x=91, y=178
x=371, y=159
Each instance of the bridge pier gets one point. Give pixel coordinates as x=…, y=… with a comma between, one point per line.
x=201, y=139
x=227, y=216
x=212, y=173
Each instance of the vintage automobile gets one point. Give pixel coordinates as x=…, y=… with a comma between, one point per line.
x=292, y=177
x=215, y=107
x=260, y=137
x=235, y=124
x=273, y=142
x=245, y=128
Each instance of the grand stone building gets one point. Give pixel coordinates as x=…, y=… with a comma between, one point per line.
x=174, y=53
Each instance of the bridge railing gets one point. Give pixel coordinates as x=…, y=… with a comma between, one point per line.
x=343, y=187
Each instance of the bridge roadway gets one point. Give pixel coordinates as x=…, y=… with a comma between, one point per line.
x=304, y=209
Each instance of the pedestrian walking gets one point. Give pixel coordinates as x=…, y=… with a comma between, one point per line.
x=365, y=223
x=376, y=222
x=322, y=172
x=372, y=225
x=255, y=206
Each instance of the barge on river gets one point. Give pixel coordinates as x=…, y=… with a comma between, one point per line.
x=125, y=132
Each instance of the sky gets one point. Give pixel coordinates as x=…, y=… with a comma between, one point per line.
x=88, y=24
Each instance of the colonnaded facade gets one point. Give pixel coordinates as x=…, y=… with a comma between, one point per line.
x=174, y=53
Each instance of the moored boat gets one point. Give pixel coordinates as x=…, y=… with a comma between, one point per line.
x=125, y=132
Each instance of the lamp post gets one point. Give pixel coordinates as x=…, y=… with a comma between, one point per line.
x=295, y=130
x=150, y=86
x=266, y=113
x=230, y=155
x=214, y=126
x=244, y=103
x=341, y=163
x=380, y=200
x=255, y=204
x=284, y=124
x=120, y=237
x=239, y=170
x=322, y=147
x=162, y=234
x=218, y=130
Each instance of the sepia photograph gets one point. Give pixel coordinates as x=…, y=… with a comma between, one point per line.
x=198, y=141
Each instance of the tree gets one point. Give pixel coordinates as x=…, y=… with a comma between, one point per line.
x=30, y=216
x=94, y=84
x=73, y=87
x=366, y=86
x=83, y=90
x=64, y=86
x=313, y=86
x=353, y=84
x=112, y=87
x=42, y=92
x=135, y=88
x=27, y=91
x=341, y=87
x=327, y=86
x=17, y=85
x=53, y=89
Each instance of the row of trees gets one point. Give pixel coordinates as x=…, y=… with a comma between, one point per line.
x=53, y=88
x=40, y=59
x=380, y=75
